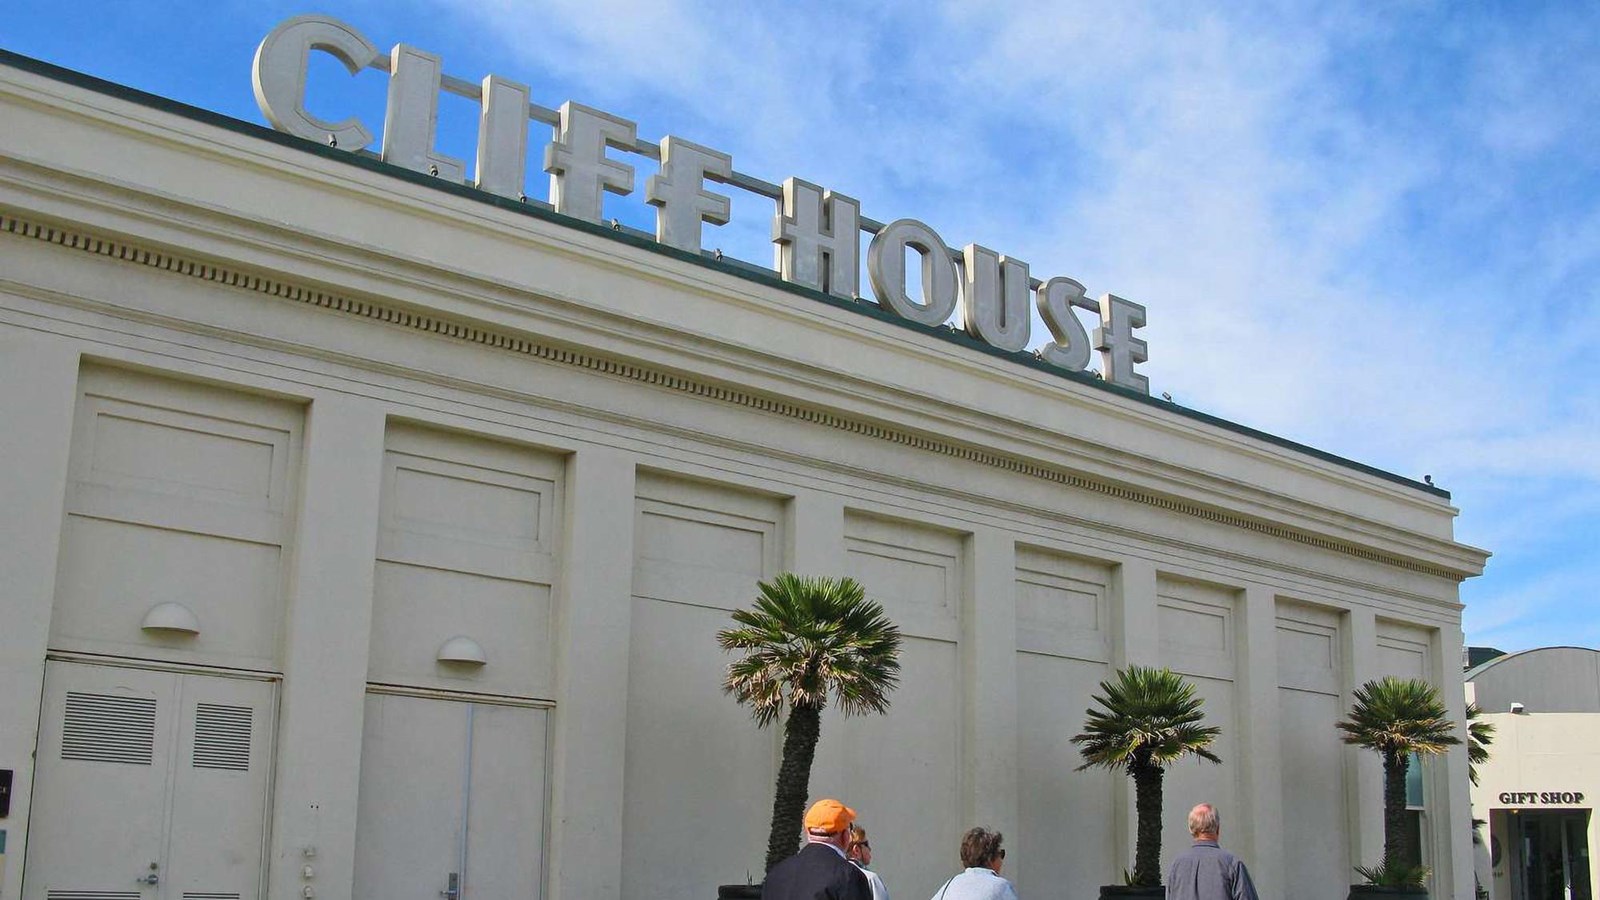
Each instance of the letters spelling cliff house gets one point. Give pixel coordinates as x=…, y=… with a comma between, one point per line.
x=366, y=529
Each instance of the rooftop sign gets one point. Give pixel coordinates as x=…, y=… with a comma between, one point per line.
x=817, y=232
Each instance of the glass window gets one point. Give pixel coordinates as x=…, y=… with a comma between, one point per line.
x=1414, y=834
x=1414, y=798
x=1416, y=828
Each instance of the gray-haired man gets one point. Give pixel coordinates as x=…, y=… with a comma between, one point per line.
x=1206, y=871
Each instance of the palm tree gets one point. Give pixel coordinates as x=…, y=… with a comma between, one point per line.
x=1480, y=735
x=805, y=638
x=1151, y=718
x=1398, y=717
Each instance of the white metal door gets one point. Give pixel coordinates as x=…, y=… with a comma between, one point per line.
x=151, y=785
x=219, y=797
x=452, y=800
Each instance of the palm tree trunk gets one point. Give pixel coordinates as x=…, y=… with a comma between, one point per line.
x=1396, y=838
x=1147, y=803
x=800, y=735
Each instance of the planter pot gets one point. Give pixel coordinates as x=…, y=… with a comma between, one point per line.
x=1132, y=892
x=1386, y=892
x=738, y=892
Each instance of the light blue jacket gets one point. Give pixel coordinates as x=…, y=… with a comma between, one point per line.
x=977, y=883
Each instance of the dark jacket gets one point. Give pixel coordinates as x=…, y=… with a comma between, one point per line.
x=817, y=872
x=1208, y=872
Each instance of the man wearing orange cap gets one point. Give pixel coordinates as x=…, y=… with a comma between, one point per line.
x=820, y=870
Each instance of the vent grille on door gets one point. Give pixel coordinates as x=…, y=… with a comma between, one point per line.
x=108, y=728
x=221, y=741
x=92, y=895
x=187, y=895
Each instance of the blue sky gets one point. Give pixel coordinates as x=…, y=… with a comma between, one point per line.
x=1372, y=228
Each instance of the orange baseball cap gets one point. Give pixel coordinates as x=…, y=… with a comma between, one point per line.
x=830, y=816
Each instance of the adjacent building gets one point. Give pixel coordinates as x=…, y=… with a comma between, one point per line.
x=1537, y=794
x=365, y=535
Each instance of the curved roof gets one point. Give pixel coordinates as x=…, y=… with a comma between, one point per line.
x=1545, y=679
x=1478, y=669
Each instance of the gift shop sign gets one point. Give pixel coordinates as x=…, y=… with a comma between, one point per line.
x=817, y=232
x=1541, y=798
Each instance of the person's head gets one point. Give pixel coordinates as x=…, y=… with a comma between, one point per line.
x=859, y=850
x=1204, y=823
x=981, y=847
x=828, y=822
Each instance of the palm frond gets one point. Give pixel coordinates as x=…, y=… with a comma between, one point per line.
x=1146, y=717
x=1399, y=715
x=806, y=638
x=1480, y=735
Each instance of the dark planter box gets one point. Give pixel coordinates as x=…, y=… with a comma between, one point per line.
x=1386, y=892
x=738, y=892
x=1132, y=892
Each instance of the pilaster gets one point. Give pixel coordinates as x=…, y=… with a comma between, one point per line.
x=1136, y=641
x=1134, y=614
x=1259, y=741
x=1449, y=791
x=328, y=623
x=38, y=393
x=1364, y=766
x=595, y=623
x=989, y=636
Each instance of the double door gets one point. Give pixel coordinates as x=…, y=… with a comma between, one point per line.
x=452, y=800
x=150, y=785
x=1554, y=850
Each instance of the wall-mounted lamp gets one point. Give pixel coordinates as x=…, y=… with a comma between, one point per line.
x=171, y=619
x=463, y=651
x=1517, y=709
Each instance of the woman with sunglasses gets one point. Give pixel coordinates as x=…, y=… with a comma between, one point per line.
x=983, y=856
x=860, y=853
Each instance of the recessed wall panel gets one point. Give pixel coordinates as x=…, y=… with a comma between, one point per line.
x=467, y=544
x=416, y=609
x=1194, y=780
x=1314, y=778
x=1197, y=626
x=1064, y=652
x=703, y=546
x=119, y=570
x=1054, y=849
x=179, y=493
x=699, y=551
x=915, y=571
x=1404, y=651
x=1062, y=605
x=908, y=763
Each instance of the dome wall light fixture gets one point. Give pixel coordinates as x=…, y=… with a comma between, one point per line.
x=171, y=619
x=462, y=650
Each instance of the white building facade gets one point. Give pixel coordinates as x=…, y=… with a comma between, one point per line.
x=1538, y=791
x=365, y=536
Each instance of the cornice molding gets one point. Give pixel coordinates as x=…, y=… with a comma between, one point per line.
x=168, y=261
